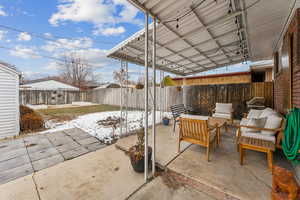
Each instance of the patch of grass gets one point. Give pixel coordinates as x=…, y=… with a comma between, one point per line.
x=64, y=114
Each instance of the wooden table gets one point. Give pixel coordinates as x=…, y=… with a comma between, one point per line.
x=212, y=122
x=219, y=123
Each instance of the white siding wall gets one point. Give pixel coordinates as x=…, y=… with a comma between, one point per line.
x=9, y=103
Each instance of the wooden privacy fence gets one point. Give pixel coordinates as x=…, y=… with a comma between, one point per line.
x=51, y=97
x=203, y=98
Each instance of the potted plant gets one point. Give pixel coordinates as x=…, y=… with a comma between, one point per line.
x=166, y=120
x=136, y=152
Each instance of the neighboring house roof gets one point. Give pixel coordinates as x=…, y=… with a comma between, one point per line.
x=109, y=85
x=9, y=67
x=50, y=84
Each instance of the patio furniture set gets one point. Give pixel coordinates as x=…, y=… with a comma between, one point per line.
x=259, y=130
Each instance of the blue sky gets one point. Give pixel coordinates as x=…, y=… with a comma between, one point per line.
x=89, y=27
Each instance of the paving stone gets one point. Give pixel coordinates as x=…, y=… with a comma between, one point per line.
x=88, y=141
x=59, y=139
x=34, y=156
x=43, y=144
x=47, y=162
x=34, y=139
x=67, y=147
x=95, y=146
x=75, y=153
x=12, y=153
x=11, y=145
x=14, y=162
x=74, y=131
x=11, y=174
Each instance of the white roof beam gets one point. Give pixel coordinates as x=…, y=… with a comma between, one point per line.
x=215, y=67
x=206, y=26
x=210, y=33
x=204, y=42
x=215, y=49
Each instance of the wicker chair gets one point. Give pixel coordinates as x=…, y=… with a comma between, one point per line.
x=197, y=132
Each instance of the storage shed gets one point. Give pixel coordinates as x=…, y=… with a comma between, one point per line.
x=9, y=101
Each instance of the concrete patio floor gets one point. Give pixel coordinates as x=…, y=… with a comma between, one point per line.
x=26, y=155
x=166, y=144
x=107, y=174
x=224, y=173
x=103, y=174
x=157, y=189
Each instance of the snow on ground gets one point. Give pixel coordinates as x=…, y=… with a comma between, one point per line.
x=88, y=123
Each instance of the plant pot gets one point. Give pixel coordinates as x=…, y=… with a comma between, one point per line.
x=166, y=121
x=138, y=165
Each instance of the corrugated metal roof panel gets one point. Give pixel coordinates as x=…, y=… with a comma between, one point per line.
x=207, y=27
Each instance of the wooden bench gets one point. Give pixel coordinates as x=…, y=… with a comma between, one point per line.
x=258, y=144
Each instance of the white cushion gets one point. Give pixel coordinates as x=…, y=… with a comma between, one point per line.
x=267, y=112
x=258, y=135
x=259, y=123
x=222, y=115
x=200, y=117
x=253, y=113
x=224, y=108
x=244, y=122
x=272, y=122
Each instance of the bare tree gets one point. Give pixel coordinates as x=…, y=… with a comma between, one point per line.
x=77, y=71
x=120, y=76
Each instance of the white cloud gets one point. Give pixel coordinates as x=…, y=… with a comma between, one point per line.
x=48, y=35
x=2, y=12
x=102, y=13
x=68, y=44
x=2, y=34
x=31, y=75
x=52, y=66
x=24, y=36
x=110, y=31
x=24, y=52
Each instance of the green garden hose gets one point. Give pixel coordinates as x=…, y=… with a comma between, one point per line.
x=291, y=139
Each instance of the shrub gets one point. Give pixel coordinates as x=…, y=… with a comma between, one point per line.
x=30, y=120
x=25, y=110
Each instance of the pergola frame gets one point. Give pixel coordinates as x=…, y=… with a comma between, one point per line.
x=182, y=53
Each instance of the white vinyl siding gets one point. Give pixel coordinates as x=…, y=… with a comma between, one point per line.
x=9, y=102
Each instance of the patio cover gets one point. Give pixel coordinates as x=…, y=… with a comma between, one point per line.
x=212, y=34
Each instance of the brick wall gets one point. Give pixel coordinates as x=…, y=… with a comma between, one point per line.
x=284, y=95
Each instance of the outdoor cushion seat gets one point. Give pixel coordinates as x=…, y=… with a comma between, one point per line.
x=253, y=113
x=260, y=136
x=225, y=108
x=222, y=115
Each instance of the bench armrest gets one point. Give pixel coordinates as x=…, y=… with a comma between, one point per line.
x=260, y=129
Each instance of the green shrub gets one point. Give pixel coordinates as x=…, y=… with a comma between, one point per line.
x=30, y=120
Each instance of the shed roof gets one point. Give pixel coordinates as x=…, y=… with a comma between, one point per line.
x=9, y=67
x=213, y=34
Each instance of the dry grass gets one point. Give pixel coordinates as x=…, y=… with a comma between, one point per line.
x=64, y=114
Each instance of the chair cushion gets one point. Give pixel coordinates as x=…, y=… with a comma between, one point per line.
x=272, y=122
x=222, y=115
x=200, y=117
x=260, y=136
x=253, y=113
x=267, y=112
x=224, y=108
x=259, y=123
